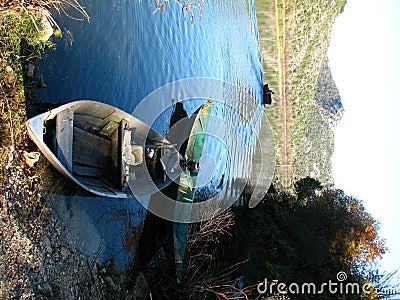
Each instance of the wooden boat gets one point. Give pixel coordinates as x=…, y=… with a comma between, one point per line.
x=104, y=149
x=187, y=183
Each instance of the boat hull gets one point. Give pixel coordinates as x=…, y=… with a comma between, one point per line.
x=87, y=130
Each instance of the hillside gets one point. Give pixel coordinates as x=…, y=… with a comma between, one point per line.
x=327, y=96
x=307, y=106
x=315, y=114
x=315, y=149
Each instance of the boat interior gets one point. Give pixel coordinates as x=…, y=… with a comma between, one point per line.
x=103, y=151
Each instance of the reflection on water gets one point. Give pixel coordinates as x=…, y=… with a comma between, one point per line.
x=101, y=228
x=123, y=55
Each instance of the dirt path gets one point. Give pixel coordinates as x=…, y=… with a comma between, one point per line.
x=285, y=104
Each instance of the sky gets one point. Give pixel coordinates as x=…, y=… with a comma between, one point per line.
x=364, y=57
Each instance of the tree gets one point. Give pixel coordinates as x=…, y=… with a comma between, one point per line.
x=309, y=240
x=355, y=242
x=306, y=187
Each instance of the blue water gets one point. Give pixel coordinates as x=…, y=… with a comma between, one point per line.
x=126, y=52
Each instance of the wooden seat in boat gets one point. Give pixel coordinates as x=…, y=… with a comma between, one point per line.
x=64, y=137
x=105, y=154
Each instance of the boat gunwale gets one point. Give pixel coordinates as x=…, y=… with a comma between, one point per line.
x=37, y=138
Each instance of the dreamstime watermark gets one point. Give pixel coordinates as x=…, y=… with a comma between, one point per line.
x=334, y=287
x=245, y=108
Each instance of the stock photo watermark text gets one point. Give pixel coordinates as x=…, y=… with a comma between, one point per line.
x=340, y=286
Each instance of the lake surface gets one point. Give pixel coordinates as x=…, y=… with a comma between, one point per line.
x=122, y=56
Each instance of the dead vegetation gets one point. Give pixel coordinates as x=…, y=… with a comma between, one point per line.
x=190, y=7
x=32, y=7
x=201, y=278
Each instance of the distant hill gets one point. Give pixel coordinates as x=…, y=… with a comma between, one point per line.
x=327, y=96
x=314, y=152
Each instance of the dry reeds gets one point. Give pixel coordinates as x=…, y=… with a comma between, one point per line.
x=200, y=281
x=187, y=6
x=61, y=6
x=36, y=7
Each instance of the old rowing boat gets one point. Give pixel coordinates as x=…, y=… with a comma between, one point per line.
x=104, y=149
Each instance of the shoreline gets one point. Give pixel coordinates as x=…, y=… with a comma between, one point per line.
x=36, y=258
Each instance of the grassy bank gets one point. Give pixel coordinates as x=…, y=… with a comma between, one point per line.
x=21, y=43
x=266, y=23
x=272, y=25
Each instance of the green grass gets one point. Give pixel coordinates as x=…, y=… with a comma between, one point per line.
x=20, y=44
x=269, y=45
